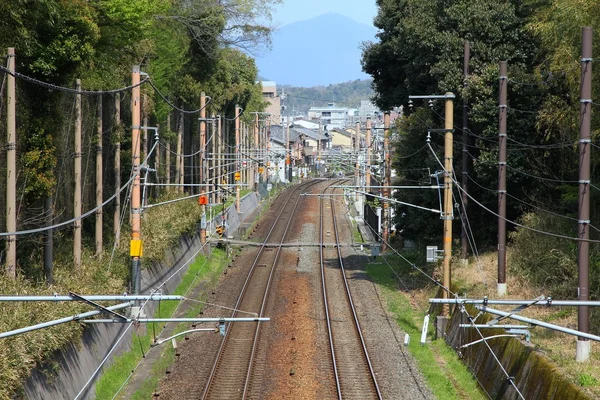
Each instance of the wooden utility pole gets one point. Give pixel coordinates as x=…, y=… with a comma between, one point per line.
x=213, y=162
x=237, y=157
x=202, y=164
x=117, y=214
x=465, y=157
x=288, y=151
x=268, y=147
x=77, y=166
x=368, y=156
x=502, y=137
x=583, y=260
x=257, y=147
x=99, y=193
x=180, y=176
x=168, y=153
x=11, y=167
x=136, y=242
x=448, y=215
x=220, y=151
x=387, y=180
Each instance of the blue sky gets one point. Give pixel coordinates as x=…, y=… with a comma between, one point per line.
x=298, y=10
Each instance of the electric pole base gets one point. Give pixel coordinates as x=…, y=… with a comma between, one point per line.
x=441, y=323
x=582, y=353
x=502, y=289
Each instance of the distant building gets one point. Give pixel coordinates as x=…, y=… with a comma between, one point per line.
x=269, y=91
x=332, y=116
x=368, y=109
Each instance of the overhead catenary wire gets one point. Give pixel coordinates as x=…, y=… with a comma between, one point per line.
x=173, y=106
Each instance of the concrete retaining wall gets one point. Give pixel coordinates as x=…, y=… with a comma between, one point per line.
x=535, y=376
x=74, y=365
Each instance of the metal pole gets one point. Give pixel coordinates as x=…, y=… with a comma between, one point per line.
x=368, y=147
x=48, y=242
x=356, y=165
x=448, y=216
x=256, y=142
x=99, y=193
x=117, y=214
x=95, y=297
x=583, y=261
x=11, y=170
x=545, y=302
x=77, y=199
x=502, y=137
x=237, y=155
x=220, y=152
x=168, y=151
x=465, y=157
x=136, y=242
x=288, y=151
x=539, y=323
x=164, y=320
x=180, y=131
x=76, y=317
x=387, y=180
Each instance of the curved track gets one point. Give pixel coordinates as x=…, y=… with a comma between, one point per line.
x=354, y=375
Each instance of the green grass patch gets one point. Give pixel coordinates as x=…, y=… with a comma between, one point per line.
x=446, y=376
x=201, y=270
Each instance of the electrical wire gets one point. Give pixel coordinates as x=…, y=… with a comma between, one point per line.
x=173, y=106
x=506, y=219
x=69, y=90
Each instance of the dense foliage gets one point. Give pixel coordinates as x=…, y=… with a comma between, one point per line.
x=420, y=51
x=348, y=94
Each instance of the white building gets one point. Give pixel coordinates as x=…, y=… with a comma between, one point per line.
x=332, y=116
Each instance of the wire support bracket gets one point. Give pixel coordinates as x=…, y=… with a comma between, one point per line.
x=586, y=101
x=98, y=306
x=585, y=182
x=586, y=59
x=583, y=221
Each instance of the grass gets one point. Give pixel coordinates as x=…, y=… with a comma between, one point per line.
x=446, y=376
x=114, y=376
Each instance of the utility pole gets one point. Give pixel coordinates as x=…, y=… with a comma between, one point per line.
x=168, y=151
x=448, y=216
x=220, y=151
x=356, y=165
x=99, y=193
x=502, y=137
x=583, y=260
x=11, y=168
x=268, y=146
x=77, y=166
x=465, y=157
x=387, y=180
x=117, y=214
x=180, y=161
x=48, y=242
x=256, y=146
x=202, y=162
x=237, y=157
x=288, y=151
x=136, y=242
x=368, y=150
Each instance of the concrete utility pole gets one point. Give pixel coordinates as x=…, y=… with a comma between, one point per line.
x=117, y=214
x=237, y=157
x=448, y=216
x=136, y=242
x=49, y=242
x=99, y=193
x=502, y=137
x=220, y=151
x=387, y=180
x=77, y=166
x=368, y=151
x=213, y=162
x=11, y=168
x=145, y=113
x=465, y=158
x=583, y=261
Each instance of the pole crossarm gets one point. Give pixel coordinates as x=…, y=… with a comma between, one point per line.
x=162, y=320
x=516, y=311
x=539, y=323
x=76, y=317
x=400, y=202
x=98, y=306
x=546, y=301
x=123, y=297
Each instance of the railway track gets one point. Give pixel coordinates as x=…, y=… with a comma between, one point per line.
x=354, y=375
x=231, y=373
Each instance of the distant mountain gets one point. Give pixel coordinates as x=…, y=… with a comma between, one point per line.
x=348, y=94
x=319, y=51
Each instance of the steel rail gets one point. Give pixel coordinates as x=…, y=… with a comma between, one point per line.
x=240, y=298
x=350, y=303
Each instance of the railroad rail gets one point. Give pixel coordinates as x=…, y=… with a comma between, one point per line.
x=230, y=376
x=354, y=374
